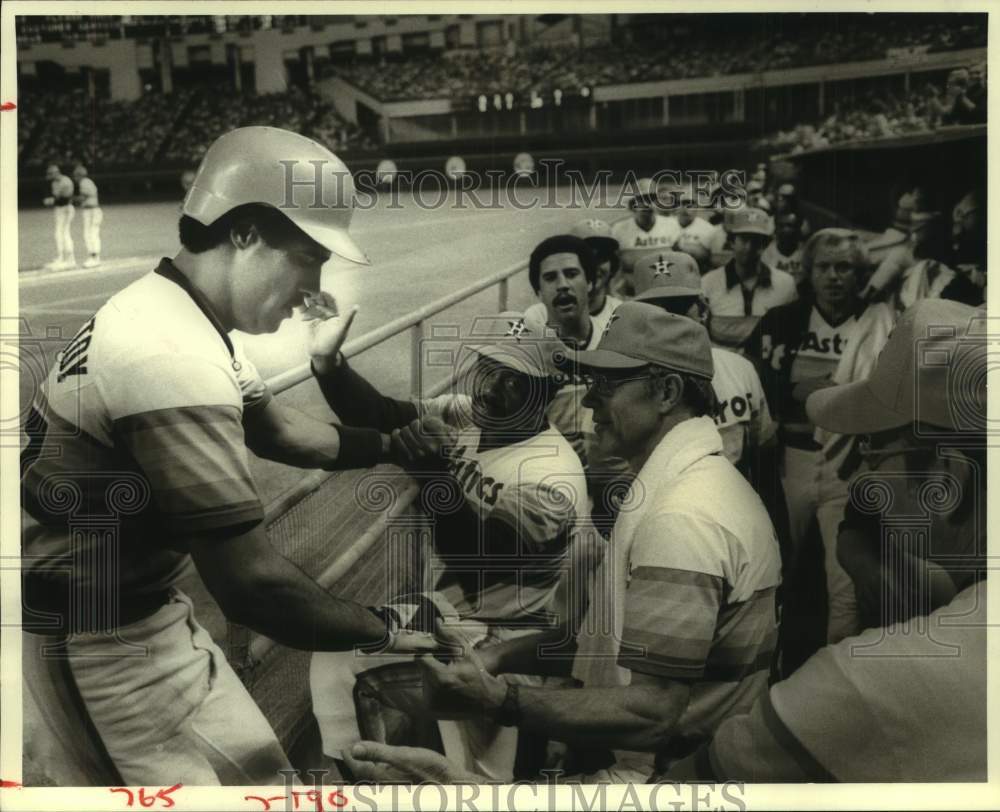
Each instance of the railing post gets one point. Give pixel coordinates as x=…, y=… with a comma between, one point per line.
x=502, y=304
x=416, y=345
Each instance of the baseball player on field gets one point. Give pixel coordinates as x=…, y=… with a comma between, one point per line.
x=61, y=201
x=505, y=537
x=85, y=198
x=146, y=422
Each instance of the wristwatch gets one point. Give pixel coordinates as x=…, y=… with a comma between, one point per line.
x=509, y=712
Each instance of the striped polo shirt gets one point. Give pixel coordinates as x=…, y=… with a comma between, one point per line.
x=690, y=587
x=136, y=443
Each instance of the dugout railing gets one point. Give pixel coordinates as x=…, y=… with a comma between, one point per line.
x=359, y=534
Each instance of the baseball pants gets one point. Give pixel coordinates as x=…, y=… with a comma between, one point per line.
x=178, y=713
x=92, y=219
x=812, y=488
x=63, y=216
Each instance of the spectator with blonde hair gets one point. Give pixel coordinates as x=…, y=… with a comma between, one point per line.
x=830, y=336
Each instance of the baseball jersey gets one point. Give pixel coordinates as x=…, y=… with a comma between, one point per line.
x=535, y=486
x=743, y=420
x=819, y=353
x=727, y=297
x=62, y=191
x=87, y=189
x=790, y=264
x=630, y=236
x=538, y=316
x=136, y=442
x=699, y=233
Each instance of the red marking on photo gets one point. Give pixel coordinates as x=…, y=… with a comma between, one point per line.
x=9, y=785
x=8, y=106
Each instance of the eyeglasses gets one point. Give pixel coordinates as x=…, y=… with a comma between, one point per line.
x=605, y=385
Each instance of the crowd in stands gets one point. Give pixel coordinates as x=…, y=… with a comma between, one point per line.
x=923, y=109
x=295, y=110
x=731, y=50
x=69, y=126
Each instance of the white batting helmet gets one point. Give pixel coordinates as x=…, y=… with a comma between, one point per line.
x=273, y=167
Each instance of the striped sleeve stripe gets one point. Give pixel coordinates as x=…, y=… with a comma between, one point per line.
x=204, y=415
x=642, y=589
x=660, y=665
x=670, y=575
x=196, y=462
x=656, y=642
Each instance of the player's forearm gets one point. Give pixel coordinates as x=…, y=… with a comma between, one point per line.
x=629, y=718
x=549, y=653
x=358, y=403
x=294, y=438
x=292, y=609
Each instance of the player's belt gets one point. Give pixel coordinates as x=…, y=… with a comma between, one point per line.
x=62, y=201
x=47, y=611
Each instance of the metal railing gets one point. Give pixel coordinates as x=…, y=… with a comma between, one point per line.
x=259, y=645
x=414, y=322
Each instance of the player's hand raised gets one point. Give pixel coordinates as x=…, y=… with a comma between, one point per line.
x=327, y=330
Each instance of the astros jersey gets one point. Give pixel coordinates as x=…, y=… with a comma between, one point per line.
x=818, y=355
x=699, y=233
x=535, y=486
x=138, y=426
x=791, y=264
x=663, y=234
x=744, y=420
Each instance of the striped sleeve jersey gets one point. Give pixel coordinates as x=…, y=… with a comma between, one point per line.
x=136, y=442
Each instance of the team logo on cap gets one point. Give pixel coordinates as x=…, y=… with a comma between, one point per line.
x=517, y=328
x=607, y=327
x=661, y=268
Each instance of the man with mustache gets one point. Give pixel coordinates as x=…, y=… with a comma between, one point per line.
x=563, y=270
x=597, y=235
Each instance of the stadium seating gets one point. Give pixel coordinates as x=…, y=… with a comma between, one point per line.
x=657, y=53
x=888, y=115
x=175, y=128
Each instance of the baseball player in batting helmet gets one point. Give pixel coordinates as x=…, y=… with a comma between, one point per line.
x=155, y=396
